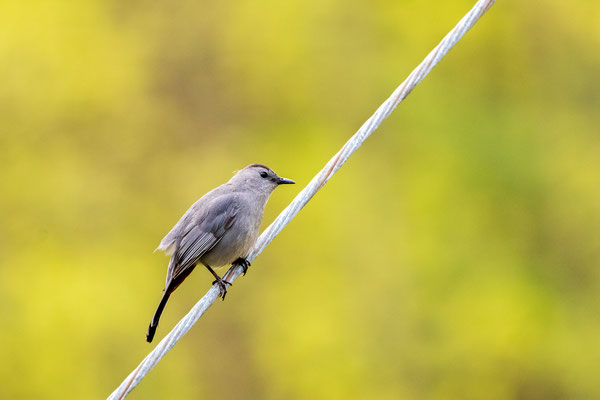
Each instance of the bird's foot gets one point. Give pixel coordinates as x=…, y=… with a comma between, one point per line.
x=222, y=283
x=243, y=263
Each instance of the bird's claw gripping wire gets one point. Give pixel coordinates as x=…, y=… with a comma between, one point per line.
x=222, y=283
x=242, y=262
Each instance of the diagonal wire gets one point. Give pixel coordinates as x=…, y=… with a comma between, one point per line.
x=307, y=193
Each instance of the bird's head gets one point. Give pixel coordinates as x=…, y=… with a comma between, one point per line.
x=259, y=177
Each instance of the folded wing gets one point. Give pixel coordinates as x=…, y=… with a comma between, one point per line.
x=200, y=234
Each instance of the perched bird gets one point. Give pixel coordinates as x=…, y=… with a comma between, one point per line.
x=217, y=230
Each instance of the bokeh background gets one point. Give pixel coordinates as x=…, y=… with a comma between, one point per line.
x=455, y=256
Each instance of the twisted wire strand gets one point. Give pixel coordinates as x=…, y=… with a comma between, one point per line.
x=307, y=193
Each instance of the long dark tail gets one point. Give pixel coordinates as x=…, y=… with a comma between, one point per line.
x=156, y=318
x=169, y=288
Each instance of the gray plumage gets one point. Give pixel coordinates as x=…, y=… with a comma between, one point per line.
x=218, y=229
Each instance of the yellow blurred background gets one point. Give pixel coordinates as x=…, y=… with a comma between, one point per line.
x=454, y=257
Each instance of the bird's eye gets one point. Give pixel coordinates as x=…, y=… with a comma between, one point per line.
x=263, y=174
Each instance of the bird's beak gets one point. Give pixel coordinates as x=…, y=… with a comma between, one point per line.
x=285, y=181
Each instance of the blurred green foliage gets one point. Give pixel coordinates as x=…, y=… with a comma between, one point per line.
x=454, y=257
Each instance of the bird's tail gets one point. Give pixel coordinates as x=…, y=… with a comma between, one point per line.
x=156, y=318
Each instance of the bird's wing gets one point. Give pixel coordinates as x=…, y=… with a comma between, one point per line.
x=201, y=234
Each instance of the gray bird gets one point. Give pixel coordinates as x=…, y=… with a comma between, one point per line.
x=217, y=230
